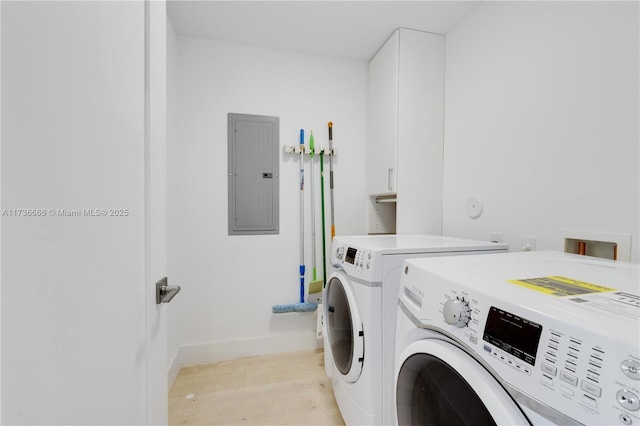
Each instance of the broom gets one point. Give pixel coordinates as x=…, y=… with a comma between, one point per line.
x=315, y=286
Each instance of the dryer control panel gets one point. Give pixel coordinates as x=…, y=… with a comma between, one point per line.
x=357, y=262
x=569, y=350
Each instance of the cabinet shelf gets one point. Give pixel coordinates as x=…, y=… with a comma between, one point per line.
x=386, y=200
x=382, y=214
x=389, y=197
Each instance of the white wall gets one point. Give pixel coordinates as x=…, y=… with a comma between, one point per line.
x=542, y=121
x=231, y=282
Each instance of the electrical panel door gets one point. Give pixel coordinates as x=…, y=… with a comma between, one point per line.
x=253, y=174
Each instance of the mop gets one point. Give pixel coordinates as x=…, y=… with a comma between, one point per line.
x=302, y=306
x=315, y=286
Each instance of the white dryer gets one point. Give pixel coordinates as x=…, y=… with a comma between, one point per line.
x=518, y=338
x=359, y=313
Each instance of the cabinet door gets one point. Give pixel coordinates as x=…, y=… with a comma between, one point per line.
x=420, y=132
x=382, y=135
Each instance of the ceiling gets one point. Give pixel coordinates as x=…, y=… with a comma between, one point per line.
x=353, y=30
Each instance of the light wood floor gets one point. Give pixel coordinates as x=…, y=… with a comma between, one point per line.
x=283, y=389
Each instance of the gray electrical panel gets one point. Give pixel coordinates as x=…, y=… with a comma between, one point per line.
x=254, y=176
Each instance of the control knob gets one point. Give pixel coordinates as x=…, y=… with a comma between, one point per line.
x=457, y=312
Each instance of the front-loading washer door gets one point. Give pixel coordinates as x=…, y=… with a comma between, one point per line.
x=345, y=333
x=440, y=384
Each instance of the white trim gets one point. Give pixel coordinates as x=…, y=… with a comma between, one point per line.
x=0, y=201
x=232, y=349
x=174, y=368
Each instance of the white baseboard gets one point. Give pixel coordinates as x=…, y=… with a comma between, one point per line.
x=174, y=367
x=231, y=349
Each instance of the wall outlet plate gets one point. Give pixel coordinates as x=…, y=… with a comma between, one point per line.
x=496, y=237
x=528, y=243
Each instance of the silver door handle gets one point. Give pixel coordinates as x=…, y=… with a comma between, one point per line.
x=165, y=292
x=389, y=176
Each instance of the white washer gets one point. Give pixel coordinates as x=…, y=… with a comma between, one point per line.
x=518, y=338
x=359, y=311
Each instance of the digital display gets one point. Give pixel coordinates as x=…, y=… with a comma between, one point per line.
x=515, y=335
x=351, y=255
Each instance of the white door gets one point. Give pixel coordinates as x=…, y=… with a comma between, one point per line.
x=82, y=207
x=156, y=211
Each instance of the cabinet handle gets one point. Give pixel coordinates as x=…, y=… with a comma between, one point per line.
x=389, y=176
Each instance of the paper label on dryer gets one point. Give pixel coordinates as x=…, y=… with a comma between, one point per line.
x=618, y=303
x=560, y=286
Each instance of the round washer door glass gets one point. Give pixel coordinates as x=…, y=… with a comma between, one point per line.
x=440, y=384
x=430, y=392
x=343, y=328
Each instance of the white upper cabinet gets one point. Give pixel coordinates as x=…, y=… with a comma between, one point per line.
x=405, y=133
x=383, y=118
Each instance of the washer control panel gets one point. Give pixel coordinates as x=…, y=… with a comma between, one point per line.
x=456, y=312
x=575, y=359
x=566, y=367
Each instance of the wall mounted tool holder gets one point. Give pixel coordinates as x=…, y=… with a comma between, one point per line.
x=296, y=149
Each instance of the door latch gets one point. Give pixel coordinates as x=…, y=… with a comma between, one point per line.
x=165, y=292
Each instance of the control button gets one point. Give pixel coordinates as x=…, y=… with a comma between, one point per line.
x=473, y=339
x=549, y=369
x=590, y=402
x=368, y=265
x=565, y=390
x=628, y=400
x=625, y=419
x=456, y=312
x=546, y=380
x=589, y=388
x=487, y=348
x=566, y=377
x=526, y=370
x=631, y=369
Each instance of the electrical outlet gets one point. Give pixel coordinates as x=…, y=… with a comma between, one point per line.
x=496, y=237
x=528, y=243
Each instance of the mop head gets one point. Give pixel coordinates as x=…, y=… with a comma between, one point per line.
x=294, y=307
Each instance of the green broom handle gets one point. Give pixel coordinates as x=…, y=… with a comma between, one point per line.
x=324, y=238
